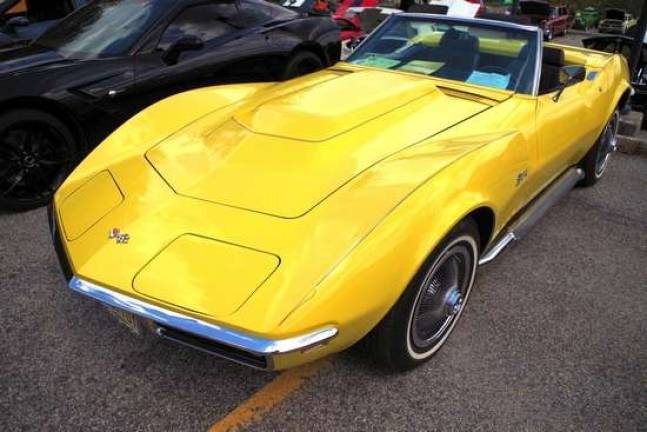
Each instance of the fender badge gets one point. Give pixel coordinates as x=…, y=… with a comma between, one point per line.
x=523, y=175
x=120, y=238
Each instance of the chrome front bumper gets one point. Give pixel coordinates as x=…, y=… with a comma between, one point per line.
x=234, y=345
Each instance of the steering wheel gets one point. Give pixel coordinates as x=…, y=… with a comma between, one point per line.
x=494, y=69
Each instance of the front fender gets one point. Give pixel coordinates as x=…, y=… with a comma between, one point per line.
x=357, y=294
x=620, y=80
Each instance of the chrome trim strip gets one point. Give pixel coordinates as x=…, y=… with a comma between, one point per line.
x=538, y=61
x=216, y=333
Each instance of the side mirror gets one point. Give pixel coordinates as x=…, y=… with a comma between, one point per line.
x=568, y=76
x=186, y=43
x=18, y=21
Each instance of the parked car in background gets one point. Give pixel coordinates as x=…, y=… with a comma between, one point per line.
x=449, y=3
x=22, y=21
x=310, y=7
x=71, y=87
x=358, y=18
x=586, y=19
x=209, y=218
x=553, y=20
x=616, y=21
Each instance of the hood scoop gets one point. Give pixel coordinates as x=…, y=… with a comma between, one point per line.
x=321, y=112
x=283, y=155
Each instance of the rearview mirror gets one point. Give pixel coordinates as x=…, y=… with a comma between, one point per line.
x=19, y=21
x=186, y=43
x=568, y=76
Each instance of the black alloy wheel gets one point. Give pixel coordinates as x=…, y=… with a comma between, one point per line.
x=37, y=152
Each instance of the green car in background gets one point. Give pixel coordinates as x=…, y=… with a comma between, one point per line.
x=587, y=18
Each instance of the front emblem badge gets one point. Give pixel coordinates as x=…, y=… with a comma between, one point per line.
x=118, y=236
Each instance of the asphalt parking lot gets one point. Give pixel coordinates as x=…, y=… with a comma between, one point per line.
x=554, y=338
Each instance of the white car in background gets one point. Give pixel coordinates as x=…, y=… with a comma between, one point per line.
x=461, y=8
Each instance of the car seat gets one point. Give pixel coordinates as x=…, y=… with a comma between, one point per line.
x=460, y=52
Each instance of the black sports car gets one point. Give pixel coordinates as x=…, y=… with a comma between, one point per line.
x=68, y=89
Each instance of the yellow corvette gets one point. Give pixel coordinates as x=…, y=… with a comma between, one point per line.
x=276, y=223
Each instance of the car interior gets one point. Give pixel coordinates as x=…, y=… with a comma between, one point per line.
x=404, y=48
x=473, y=63
x=45, y=10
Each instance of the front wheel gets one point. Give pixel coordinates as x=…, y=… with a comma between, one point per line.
x=37, y=151
x=427, y=312
x=302, y=63
x=596, y=160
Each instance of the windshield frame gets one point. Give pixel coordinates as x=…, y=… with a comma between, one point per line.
x=477, y=22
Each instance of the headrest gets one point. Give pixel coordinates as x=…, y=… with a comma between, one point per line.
x=553, y=56
x=459, y=40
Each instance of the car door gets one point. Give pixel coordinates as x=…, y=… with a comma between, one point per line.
x=219, y=37
x=565, y=126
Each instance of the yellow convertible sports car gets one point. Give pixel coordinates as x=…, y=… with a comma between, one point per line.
x=276, y=223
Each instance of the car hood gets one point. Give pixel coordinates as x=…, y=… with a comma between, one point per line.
x=614, y=14
x=5, y=40
x=284, y=154
x=30, y=58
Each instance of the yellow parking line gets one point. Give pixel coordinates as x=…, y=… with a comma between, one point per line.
x=260, y=403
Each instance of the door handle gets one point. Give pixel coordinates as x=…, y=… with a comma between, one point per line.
x=115, y=93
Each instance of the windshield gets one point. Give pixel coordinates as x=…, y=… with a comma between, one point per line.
x=481, y=53
x=103, y=28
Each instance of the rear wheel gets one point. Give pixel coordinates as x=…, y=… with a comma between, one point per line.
x=37, y=151
x=596, y=160
x=427, y=312
x=302, y=63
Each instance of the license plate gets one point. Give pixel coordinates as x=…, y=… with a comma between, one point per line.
x=131, y=321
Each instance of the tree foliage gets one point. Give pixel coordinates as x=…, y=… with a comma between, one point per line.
x=632, y=6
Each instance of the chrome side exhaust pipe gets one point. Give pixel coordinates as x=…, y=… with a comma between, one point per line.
x=529, y=217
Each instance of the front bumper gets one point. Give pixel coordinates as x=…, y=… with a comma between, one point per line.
x=244, y=348
x=240, y=347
